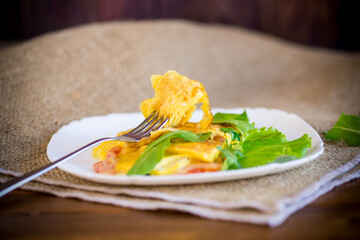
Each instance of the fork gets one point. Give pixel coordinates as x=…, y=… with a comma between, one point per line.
x=152, y=123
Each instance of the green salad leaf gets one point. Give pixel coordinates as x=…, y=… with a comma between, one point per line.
x=347, y=128
x=155, y=151
x=263, y=146
x=239, y=121
x=231, y=116
x=231, y=157
x=235, y=136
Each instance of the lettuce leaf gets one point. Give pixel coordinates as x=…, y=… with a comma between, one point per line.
x=239, y=121
x=155, y=151
x=263, y=146
x=347, y=128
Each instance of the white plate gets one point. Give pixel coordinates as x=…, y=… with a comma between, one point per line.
x=78, y=133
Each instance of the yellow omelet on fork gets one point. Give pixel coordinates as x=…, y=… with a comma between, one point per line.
x=176, y=97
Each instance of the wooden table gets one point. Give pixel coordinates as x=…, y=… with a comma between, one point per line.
x=28, y=215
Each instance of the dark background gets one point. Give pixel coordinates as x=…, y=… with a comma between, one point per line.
x=326, y=23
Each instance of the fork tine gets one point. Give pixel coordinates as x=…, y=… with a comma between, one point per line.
x=157, y=125
x=143, y=131
x=147, y=125
x=151, y=123
x=144, y=124
x=161, y=124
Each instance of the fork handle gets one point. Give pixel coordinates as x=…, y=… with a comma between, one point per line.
x=19, y=181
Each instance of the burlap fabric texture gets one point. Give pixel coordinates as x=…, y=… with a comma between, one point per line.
x=98, y=69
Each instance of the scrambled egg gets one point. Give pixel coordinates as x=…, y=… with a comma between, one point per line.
x=176, y=97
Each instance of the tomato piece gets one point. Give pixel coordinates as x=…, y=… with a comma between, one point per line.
x=104, y=167
x=108, y=165
x=201, y=168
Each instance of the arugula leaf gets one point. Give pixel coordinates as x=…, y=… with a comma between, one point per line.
x=231, y=157
x=239, y=121
x=262, y=146
x=231, y=116
x=347, y=128
x=155, y=151
x=235, y=136
x=229, y=154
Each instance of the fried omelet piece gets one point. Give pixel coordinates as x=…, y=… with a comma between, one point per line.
x=193, y=157
x=176, y=97
x=203, y=151
x=117, y=157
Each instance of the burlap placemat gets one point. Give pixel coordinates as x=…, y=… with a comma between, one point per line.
x=102, y=68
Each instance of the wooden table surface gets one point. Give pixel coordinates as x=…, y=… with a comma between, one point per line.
x=28, y=215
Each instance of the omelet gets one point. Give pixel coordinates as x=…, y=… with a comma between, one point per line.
x=183, y=147
x=176, y=97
